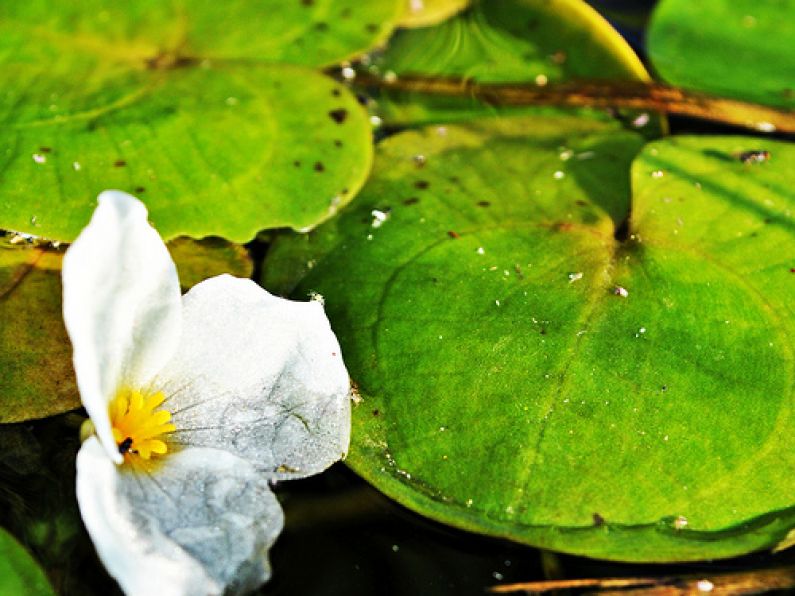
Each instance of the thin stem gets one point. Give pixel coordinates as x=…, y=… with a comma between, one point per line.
x=654, y=97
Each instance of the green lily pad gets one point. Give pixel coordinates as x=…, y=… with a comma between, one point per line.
x=210, y=112
x=36, y=375
x=423, y=13
x=534, y=366
x=19, y=572
x=505, y=41
x=741, y=49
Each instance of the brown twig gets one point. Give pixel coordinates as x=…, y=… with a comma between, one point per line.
x=725, y=584
x=654, y=97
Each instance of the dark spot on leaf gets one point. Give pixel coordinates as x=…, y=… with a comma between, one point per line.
x=338, y=115
x=362, y=99
x=337, y=143
x=344, y=191
x=376, y=412
x=411, y=201
x=371, y=28
x=598, y=520
x=297, y=163
x=119, y=163
x=453, y=234
x=792, y=269
x=307, y=2
x=140, y=189
x=45, y=149
x=581, y=203
x=543, y=331
x=422, y=184
x=319, y=167
x=484, y=204
x=336, y=92
x=345, y=13
x=321, y=26
x=664, y=388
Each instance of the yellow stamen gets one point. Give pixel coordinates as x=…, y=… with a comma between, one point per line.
x=137, y=426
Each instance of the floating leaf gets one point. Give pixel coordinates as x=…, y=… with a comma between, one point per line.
x=505, y=41
x=192, y=106
x=741, y=49
x=19, y=572
x=36, y=376
x=534, y=366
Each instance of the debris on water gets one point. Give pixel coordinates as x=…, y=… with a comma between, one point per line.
x=621, y=291
x=395, y=548
x=558, y=57
x=375, y=121
x=497, y=575
x=575, y=276
x=390, y=76
x=754, y=156
x=39, y=158
x=566, y=155
x=419, y=160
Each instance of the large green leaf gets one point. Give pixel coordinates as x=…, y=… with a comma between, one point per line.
x=19, y=573
x=423, y=13
x=208, y=111
x=533, y=367
x=36, y=376
x=505, y=41
x=742, y=49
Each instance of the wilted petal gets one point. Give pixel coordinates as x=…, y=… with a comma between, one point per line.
x=121, y=305
x=260, y=376
x=200, y=521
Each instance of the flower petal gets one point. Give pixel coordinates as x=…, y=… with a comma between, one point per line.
x=200, y=521
x=121, y=305
x=261, y=376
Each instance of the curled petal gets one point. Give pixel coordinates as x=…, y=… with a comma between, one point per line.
x=198, y=521
x=260, y=376
x=121, y=305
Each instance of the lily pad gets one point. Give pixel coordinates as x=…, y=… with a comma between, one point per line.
x=505, y=41
x=741, y=49
x=19, y=572
x=533, y=365
x=423, y=13
x=36, y=376
x=210, y=112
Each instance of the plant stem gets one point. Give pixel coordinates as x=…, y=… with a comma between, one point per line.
x=654, y=97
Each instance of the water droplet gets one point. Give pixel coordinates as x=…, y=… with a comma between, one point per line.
x=641, y=120
x=575, y=276
x=704, y=585
x=379, y=217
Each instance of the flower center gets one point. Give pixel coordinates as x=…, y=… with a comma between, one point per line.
x=138, y=427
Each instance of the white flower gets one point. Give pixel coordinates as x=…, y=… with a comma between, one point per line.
x=198, y=402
